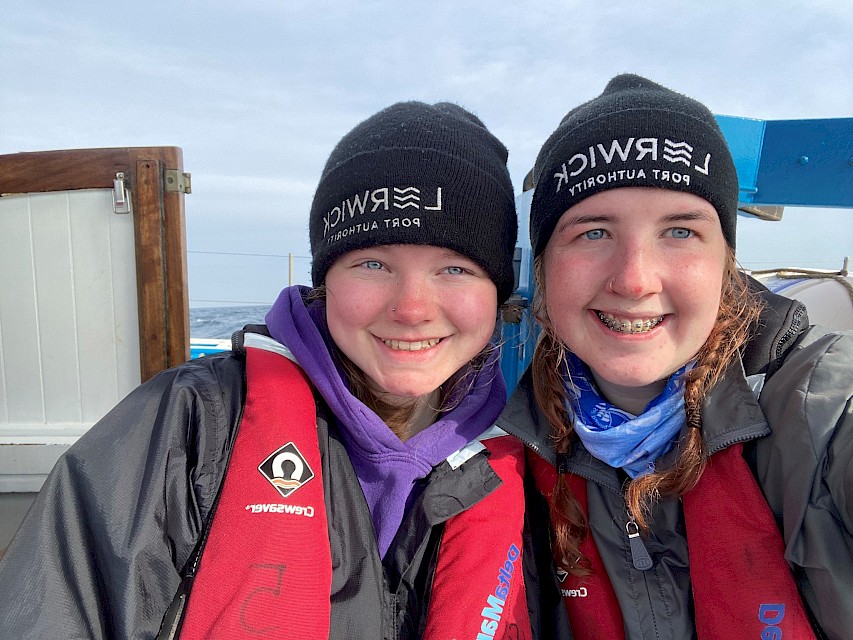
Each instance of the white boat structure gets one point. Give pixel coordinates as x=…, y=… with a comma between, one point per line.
x=93, y=298
x=827, y=294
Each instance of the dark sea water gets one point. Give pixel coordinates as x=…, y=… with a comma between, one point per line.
x=221, y=322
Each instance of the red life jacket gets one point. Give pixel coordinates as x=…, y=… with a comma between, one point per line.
x=732, y=540
x=266, y=567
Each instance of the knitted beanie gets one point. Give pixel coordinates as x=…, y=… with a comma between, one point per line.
x=635, y=134
x=423, y=174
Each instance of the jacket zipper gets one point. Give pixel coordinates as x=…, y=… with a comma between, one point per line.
x=793, y=330
x=640, y=557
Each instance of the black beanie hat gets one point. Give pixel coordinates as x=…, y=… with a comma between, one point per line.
x=635, y=134
x=417, y=174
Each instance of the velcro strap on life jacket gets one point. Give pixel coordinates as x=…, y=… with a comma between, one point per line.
x=266, y=568
x=478, y=589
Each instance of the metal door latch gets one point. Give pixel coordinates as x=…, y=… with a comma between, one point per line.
x=121, y=199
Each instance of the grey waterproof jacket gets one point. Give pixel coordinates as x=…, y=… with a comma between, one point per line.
x=102, y=551
x=798, y=439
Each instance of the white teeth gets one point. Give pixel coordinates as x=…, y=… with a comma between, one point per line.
x=623, y=325
x=418, y=345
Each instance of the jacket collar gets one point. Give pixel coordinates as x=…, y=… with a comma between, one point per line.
x=730, y=414
x=523, y=419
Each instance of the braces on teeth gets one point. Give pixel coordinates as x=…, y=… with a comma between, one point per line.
x=628, y=326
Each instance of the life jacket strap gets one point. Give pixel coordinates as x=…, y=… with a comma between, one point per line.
x=590, y=600
x=266, y=568
x=478, y=591
x=266, y=571
x=737, y=557
x=738, y=573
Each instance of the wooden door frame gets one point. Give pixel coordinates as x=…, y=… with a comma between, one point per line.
x=159, y=231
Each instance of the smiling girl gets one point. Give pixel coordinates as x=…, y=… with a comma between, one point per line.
x=686, y=501
x=339, y=473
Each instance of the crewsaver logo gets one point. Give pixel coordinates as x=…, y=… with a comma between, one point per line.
x=286, y=469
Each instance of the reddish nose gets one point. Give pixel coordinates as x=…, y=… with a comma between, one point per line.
x=637, y=273
x=413, y=301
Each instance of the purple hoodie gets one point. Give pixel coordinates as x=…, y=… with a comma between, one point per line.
x=387, y=468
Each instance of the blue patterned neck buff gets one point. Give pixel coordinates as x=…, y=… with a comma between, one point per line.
x=618, y=438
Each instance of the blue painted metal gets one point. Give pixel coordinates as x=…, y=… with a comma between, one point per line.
x=792, y=162
x=519, y=331
x=745, y=137
x=518, y=340
x=200, y=347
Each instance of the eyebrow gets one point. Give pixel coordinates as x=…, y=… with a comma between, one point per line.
x=588, y=219
x=681, y=216
x=687, y=216
x=450, y=254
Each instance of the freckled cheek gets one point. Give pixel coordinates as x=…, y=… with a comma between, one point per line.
x=702, y=280
x=565, y=315
x=349, y=311
x=700, y=302
x=702, y=266
x=566, y=292
x=570, y=275
x=473, y=313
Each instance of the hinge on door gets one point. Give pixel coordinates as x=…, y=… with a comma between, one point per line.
x=177, y=181
x=121, y=199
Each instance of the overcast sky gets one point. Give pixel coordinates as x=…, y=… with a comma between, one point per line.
x=257, y=92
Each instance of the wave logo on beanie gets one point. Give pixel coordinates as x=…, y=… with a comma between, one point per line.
x=610, y=159
x=423, y=174
x=376, y=209
x=635, y=134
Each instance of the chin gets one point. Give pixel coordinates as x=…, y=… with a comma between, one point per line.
x=637, y=383
x=622, y=378
x=409, y=392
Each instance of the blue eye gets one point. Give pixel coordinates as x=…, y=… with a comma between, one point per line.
x=681, y=232
x=594, y=234
x=373, y=264
x=455, y=271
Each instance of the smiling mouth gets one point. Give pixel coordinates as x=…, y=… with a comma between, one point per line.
x=417, y=345
x=624, y=325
